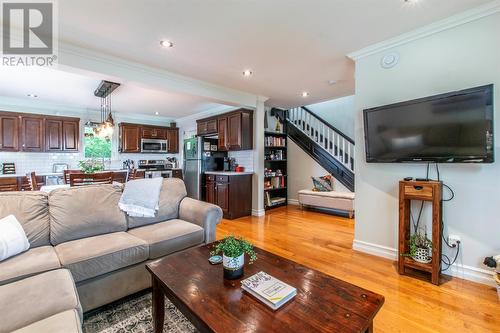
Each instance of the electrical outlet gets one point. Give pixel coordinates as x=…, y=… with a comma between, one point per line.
x=453, y=240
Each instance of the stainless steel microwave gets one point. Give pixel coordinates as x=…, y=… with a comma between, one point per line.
x=153, y=146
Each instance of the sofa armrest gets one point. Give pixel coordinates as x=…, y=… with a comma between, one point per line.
x=201, y=213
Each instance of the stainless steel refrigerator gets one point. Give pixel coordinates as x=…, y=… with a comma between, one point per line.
x=198, y=158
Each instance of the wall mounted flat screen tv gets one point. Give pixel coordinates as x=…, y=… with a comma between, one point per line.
x=456, y=127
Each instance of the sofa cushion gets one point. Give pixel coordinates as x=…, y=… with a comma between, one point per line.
x=169, y=236
x=31, y=262
x=172, y=192
x=64, y=322
x=38, y=297
x=31, y=210
x=85, y=211
x=93, y=256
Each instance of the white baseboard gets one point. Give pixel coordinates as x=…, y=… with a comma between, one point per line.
x=293, y=202
x=460, y=271
x=258, y=212
x=376, y=250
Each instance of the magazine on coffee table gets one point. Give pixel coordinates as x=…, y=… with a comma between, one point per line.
x=269, y=290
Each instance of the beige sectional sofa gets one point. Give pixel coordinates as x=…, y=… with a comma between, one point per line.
x=80, y=237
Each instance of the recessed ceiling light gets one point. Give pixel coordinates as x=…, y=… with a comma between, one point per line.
x=247, y=73
x=157, y=113
x=332, y=82
x=166, y=44
x=32, y=95
x=411, y=1
x=305, y=94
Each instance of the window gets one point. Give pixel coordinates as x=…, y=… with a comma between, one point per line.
x=95, y=147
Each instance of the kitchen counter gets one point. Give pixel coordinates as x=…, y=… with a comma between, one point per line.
x=43, y=174
x=228, y=173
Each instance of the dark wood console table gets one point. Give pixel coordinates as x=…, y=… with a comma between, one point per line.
x=430, y=191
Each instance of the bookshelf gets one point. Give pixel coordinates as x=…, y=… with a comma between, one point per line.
x=275, y=165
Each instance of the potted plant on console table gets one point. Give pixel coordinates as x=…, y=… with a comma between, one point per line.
x=233, y=255
x=420, y=248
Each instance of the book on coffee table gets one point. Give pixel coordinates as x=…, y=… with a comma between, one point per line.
x=269, y=290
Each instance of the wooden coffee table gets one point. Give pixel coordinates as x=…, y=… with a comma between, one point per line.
x=197, y=288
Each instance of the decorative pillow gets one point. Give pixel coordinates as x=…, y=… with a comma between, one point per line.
x=323, y=184
x=13, y=239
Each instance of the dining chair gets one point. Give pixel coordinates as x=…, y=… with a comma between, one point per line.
x=66, y=174
x=82, y=179
x=8, y=184
x=33, y=185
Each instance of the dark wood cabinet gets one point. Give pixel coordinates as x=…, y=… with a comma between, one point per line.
x=37, y=133
x=222, y=140
x=232, y=193
x=9, y=133
x=130, y=138
x=53, y=135
x=177, y=173
x=173, y=140
x=234, y=129
x=159, y=133
x=71, y=135
x=207, y=126
x=32, y=134
x=131, y=135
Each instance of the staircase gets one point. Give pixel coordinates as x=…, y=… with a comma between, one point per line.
x=328, y=146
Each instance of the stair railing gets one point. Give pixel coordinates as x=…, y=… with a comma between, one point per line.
x=336, y=143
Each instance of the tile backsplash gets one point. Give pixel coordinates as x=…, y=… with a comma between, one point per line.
x=43, y=162
x=243, y=158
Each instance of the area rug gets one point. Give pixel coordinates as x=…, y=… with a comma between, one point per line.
x=133, y=315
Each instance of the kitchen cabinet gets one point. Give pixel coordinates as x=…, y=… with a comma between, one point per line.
x=234, y=130
x=53, y=135
x=177, y=173
x=131, y=135
x=37, y=133
x=9, y=132
x=222, y=137
x=159, y=133
x=207, y=126
x=173, y=140
x=32, y=134
x=232, y=193
x=130, y=138
x=71, y=135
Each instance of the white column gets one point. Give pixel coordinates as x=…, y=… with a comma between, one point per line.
x=258, y=158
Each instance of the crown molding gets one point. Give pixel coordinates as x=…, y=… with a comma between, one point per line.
x=21, y=105
x=207, y=113
x=72, y=57
x=471, y=15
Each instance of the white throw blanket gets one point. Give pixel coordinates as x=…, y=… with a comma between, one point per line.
x=141, y=196
x=12, y=238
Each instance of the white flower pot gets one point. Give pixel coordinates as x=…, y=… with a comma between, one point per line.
x=233, y=266
x=422, y=255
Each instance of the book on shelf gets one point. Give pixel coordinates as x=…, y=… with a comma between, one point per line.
x=269, y=290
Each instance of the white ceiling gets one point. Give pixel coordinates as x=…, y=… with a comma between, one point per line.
x=77, y=91
x=291, y=45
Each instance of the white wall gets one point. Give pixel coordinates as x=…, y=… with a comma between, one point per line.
x=461, y=57
x=339, y=112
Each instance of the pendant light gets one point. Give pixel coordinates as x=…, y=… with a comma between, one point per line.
x=107, y=124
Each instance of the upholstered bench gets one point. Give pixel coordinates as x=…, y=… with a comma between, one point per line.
x=343, y=201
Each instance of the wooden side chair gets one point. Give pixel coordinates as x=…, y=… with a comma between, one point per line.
x=135, y=174
x=8, y=184
x=33, y=185
x=82, y=179
x=69, y=172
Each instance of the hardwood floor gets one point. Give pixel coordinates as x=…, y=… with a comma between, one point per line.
x=324, y=242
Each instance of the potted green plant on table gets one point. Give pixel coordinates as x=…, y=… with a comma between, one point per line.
x=233, y=255
x=420, y=248
x=91, y=166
